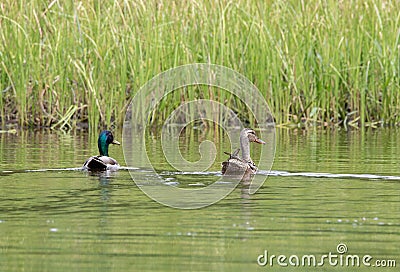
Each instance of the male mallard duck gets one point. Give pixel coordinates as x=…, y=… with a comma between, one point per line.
x=103, y=161
x=237, y=165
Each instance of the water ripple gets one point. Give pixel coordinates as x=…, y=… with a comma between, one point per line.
x=217, y=173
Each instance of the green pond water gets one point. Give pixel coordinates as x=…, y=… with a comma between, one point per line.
x=68, y=220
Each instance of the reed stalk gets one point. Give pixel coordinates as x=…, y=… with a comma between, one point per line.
x=316, y=62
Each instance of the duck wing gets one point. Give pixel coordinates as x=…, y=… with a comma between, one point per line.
x=108, y=160
x=99, y=163
x=95, y=164
x=237, y=164
x=233, y=155
x=234, y=163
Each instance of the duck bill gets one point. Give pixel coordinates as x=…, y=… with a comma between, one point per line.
x=259, y=141
x=116, y=142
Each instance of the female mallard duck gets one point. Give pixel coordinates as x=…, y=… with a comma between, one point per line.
x=244, y=165
x=103, y=161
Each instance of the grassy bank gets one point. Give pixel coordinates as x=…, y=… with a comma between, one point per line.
x=68, y=63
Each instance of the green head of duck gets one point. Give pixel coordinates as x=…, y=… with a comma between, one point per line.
x=105, y=139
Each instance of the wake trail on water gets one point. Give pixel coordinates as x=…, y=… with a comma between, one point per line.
x=217, y=173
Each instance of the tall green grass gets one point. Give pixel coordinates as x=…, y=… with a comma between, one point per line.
x=66, y=63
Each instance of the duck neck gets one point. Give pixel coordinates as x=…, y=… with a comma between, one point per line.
x=245, y=146
x=103, y=146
